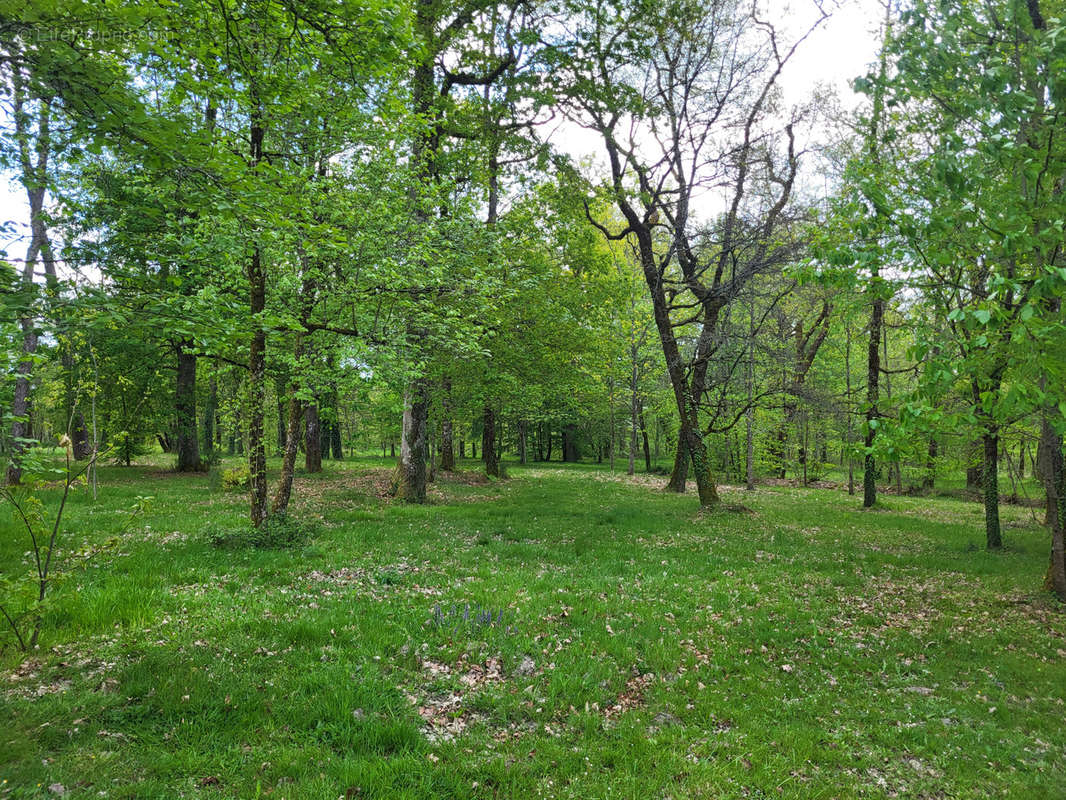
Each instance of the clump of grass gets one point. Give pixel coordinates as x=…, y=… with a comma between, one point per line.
x=277, y=532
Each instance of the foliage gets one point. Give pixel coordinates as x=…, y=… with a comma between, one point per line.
x=235, y=477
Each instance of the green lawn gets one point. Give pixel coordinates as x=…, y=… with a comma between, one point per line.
x=802, y=648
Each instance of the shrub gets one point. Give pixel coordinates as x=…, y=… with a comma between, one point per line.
x=236, y=478
x=277, y=532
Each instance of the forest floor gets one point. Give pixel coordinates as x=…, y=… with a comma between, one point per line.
x=800, y=649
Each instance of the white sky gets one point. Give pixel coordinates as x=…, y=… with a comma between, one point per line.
x=839, y=51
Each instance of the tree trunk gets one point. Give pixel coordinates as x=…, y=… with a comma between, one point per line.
x=634, y=411
x=411, y=471
x=780, y=441
x=79, y=437
x=570, y=454
x=488, y=442
x=447, y=453
x=335, y=441
x=644, y=436
x=188, y=437
x=679, y=475
x=930, y=465
x=257, y=478
x=993, y=537
x=288, y=462
x=548, y=451
x=34, y=178
x=873, y=376
x=1052, y=475
x=210, y=412
x=522, y=433
x=20, y=406
x=706, y=486
x=283, y=416
x=312, y=439
x=847, y=409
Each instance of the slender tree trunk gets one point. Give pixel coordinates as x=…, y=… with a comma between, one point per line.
x=991, y=488
x=34, y=177
x=283, y=493
x=447, y=454
x=749, y=414
x=570, y=454
x=188, y=437
x=548, y=451
x=873, y=376
x=335, y=441
x=256, y=379
x=522, y=433
x=974, y=479
x=488, y=442
x=876, y=291
x=610, y=423
x=634, y=410
x=312, y=439
x=283, y=416
x=644, y=437
x=1052, y=475
x=788, y=416
x=210, y=412
x=79, y=437
x=414, y=444
x=847, y=409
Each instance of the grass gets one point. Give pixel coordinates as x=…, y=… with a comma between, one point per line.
x=804, y=650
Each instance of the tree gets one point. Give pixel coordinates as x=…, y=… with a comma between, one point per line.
x=682, y=96
x=984, y=200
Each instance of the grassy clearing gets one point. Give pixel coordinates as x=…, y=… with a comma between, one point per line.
x=807, y=649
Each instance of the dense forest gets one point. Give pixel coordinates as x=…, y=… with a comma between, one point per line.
x=258, y=240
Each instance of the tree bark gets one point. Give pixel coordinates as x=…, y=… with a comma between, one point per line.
x=847, y=409
x=644, y=436
x=522, y=434
x=488, y=442
x=79, y=437
x=210, y=412
x=634, y=402
x=447, y=452
x=411, y=471
x=873, y=376
x=283, y=416
x=993, y=535
x=570, y=454
x=257, y=478
x=1049, y=466
x=312, y=439
x=679, y=476
x=283, y=492
x=929, y=480
x=187, y=435
x=335, y=440
x=877, y=306
x=34, y=178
